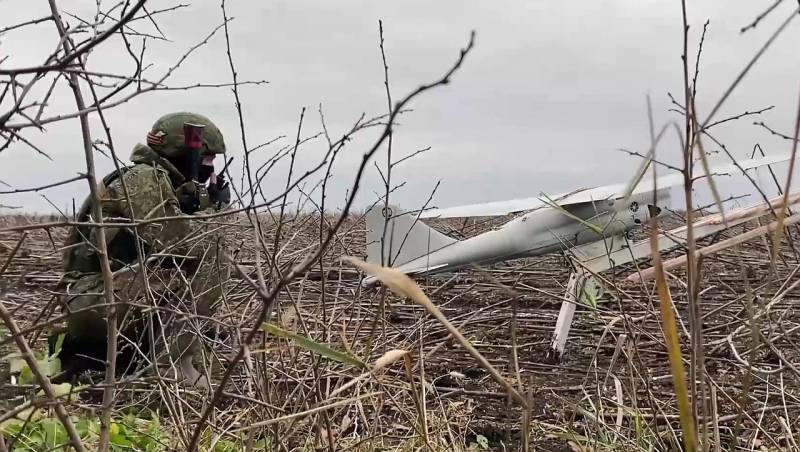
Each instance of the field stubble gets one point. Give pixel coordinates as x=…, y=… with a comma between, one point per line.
x=613, y=389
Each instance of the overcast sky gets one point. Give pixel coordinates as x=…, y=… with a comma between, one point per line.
x=550, y=93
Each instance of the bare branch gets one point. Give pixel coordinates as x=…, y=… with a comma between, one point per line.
x=25, y=24
x=774, y=132
x=749, y=66
x=44, y=187
x=76, y=53
x=739, y=116
x=760, y=17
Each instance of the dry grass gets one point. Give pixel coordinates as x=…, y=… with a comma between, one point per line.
x=613, y=391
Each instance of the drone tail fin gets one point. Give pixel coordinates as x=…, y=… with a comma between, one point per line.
x=403, y=236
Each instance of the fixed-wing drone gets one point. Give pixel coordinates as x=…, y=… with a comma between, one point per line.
x=592, y=225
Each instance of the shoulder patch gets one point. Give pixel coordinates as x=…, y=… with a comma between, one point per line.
x=156, y=137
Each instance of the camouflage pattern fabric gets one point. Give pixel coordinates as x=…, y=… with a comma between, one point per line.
x=149, y=182
x=184, y=243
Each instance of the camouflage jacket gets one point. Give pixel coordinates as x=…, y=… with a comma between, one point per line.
x=149, y=181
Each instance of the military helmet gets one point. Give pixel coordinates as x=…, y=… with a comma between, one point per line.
x=166, y=135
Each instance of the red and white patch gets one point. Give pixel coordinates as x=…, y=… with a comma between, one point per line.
x=155, y=138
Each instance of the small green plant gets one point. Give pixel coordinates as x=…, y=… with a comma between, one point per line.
x=48, y=364
x=48, y=433
x=37, y=429
x=42, y=434
x=127, y=433
x=135, y=433
x=644, y=435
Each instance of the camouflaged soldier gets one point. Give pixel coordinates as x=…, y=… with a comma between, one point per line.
x=185, y=267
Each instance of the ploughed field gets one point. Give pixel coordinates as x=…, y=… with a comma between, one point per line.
x=613, y=386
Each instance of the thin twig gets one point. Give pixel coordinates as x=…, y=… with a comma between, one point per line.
x=269, y=297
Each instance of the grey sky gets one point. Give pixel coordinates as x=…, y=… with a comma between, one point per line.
x=550, y=92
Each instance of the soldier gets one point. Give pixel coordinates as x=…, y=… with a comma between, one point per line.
x=183, y=269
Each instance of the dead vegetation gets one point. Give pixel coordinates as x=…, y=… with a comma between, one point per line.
x=613, y=390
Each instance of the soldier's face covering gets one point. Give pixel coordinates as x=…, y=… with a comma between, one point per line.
x=184, y=163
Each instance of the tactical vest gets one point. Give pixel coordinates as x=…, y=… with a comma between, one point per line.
x=81, y=256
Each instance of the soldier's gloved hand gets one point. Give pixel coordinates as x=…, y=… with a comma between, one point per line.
x=219, y=192
x=188, y=197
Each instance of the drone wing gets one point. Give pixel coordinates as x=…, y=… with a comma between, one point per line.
x=616, y=191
